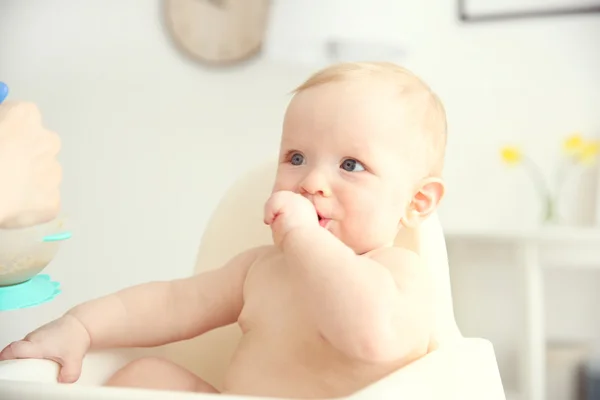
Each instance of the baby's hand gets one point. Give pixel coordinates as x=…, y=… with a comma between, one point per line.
x=287, y=210
x=65, y=341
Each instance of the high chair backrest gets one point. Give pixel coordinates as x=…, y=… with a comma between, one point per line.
x=428, y=241
x=237, y=225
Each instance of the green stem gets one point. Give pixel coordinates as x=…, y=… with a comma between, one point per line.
x=538, y=177
x=550, y=211
x=543, y=189
x=562, y=175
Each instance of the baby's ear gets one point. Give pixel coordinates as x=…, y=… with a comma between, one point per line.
x=424, y=202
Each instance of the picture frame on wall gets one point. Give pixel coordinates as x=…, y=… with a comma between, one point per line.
x=502, y=10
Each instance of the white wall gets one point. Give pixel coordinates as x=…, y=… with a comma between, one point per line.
x=151, y=140
x=529, y=82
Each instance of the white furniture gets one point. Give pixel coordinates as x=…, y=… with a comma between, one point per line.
x=534, y=247
x=461, y=368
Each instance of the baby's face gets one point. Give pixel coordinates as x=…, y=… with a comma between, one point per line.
x=346, y=147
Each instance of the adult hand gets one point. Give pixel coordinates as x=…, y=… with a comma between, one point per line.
x=30, y=174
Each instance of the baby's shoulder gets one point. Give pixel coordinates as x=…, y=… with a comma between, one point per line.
x=264, y=252
x=262, y=255
x=255, y=253
x=402, y=263
x=394, y=255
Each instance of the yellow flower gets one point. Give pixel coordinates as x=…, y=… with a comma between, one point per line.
x=573, y=144
x=588, y=153
x=511, y=155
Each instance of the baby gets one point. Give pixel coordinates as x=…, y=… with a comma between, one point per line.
x=332, y=305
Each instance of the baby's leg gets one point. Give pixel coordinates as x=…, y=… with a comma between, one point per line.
x=159, y=374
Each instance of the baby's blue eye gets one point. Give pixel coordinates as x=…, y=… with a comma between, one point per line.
x=297, y=159
x=352, y=165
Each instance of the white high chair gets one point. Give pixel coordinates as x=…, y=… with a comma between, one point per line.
x=460, y=368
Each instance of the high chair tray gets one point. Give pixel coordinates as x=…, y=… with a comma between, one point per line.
x=466, y=370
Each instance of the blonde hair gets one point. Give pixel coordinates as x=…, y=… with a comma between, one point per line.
x=432, y=114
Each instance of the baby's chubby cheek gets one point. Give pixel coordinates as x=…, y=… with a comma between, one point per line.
x=283, y=183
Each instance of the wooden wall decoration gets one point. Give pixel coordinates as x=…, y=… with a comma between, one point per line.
x=217, y=32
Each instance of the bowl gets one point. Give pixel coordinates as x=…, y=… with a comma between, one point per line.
x=25, y=252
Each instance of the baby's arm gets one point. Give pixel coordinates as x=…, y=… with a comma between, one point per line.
x=376, y=308
x=157, y=313
x=145, y=315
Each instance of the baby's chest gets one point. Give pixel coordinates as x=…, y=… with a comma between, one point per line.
x=271, y=297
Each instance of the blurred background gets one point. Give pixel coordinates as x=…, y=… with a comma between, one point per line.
x=153, y=135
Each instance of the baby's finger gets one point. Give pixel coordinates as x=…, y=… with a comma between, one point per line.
x=21, y=349
x=269, y=214
x=268, y=220
x=70, y=371
x=4, y=354
x=272, y=209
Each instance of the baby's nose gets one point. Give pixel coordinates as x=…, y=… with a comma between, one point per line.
x=315, y=183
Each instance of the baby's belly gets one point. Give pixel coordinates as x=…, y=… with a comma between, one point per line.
x=302, y=366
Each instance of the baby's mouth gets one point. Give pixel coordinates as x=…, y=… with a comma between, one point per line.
x=323, y=221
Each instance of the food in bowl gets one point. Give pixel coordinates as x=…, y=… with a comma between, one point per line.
x=24, y=253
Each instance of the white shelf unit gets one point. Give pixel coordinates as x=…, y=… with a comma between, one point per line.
x=529, y=245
